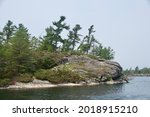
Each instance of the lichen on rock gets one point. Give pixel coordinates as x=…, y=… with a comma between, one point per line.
x=91, y=70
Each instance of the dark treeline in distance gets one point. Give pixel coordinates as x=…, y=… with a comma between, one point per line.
x=21, y=54
x=137, y=71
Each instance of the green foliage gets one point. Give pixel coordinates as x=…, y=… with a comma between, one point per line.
x=74, y=37
x=4, y=82
x=76, y=52
x=92, y=56
x=17, y=53
x=22, y=55
x=2, y=61
x=34, y=43
x=24, y=78
x=1, y=38
x=52, y=40
x=8, y=31
x=59, y=27
x=66, y=46
x=84, y=48
x=19, y=50
x=104, y=52
x=88, y=41
x=49, y=40
x=144, y=70
x=46, y=60
x=109, y=78
x=58, y=76
x=137, y=71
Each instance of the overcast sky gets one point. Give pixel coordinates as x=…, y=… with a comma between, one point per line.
x=124, y=25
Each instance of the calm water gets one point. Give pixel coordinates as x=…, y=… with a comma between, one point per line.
x=138, y=88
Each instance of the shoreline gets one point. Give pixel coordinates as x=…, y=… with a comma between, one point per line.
x=35, y=84
x=137, y=75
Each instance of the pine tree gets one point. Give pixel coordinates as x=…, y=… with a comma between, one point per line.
x=73, y=39
x=59, y=27
x=34, y=43
x=2, y=61
x=8, y=31
x=49, y=40
x=76, y=36
x=19, y=50
x=104, y=52
x=87, y=41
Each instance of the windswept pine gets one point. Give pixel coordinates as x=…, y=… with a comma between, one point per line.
x=23, y=56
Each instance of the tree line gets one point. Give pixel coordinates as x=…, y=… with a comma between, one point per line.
x=137, y=71
x=21, y=53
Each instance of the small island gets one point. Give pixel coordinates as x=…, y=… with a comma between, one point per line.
x=54, y=60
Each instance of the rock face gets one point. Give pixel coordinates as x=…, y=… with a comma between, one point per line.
x=93, y=70
x=78, y=71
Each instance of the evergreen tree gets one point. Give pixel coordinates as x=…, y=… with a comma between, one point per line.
x=2, y=61
x=104, y=52
x=20, y=54
x=52, y=40
x=1, y=38
x=19, y=50
x=35, y=43
x=67, y=44
x=8, y=31
x=136, y=71
x=88, y=40
x=73, y=39
x=49, y=40
x=59, y=27
x=76, y=36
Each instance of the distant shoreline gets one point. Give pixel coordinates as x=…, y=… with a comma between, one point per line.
x=139, y=75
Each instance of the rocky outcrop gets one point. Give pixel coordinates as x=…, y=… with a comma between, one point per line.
x=73, y=70
x=77, y=71
x=93, y=70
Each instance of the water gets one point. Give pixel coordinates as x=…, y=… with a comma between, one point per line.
x=137, y=89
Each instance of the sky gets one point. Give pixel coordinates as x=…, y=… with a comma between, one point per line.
x=124, y=25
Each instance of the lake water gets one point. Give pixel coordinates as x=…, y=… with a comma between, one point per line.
x=137, y=89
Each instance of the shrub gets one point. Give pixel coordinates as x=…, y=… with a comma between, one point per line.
x=109, y=78
x=4, y=82
x=76, y=52
x=25, y=78
x=92, y=56
x=46, y=60
x=58, y=76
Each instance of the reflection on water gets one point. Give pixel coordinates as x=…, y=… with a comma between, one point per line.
x=138, y=88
